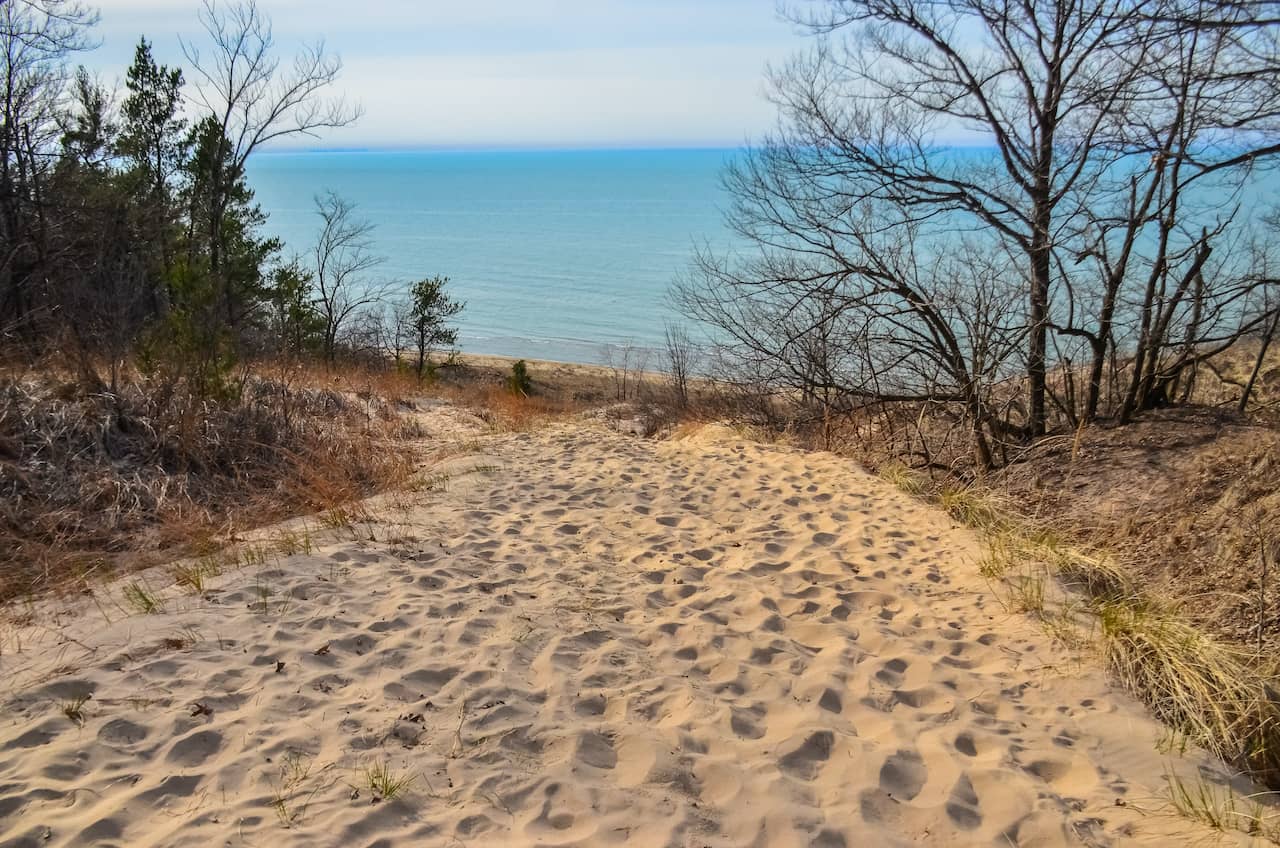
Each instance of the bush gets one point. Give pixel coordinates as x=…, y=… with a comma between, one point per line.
x=519, y=383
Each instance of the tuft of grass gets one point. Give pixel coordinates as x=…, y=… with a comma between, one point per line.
x=195, y=576
x=288, y=543
x=385, y=783
x=143, y=599
x=1004, y=553
x=903, y=478
x=1220, y=697
x=1221, y=807
x=264, y=593
x=345, y=516
x=460, y=447
x=252, y=555
x=1097, y=578
x=974, y=507
x=290, y=800
x=74, y=709
x=1027, y=592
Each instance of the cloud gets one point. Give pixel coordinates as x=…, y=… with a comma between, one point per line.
x=643, y=96
x=568, y=72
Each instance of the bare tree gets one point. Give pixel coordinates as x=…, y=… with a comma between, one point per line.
x=1041, y=81
x=241, y=83
x=626, y=363
x=1267, y=336
x=682, y=360
x=400, y=330
x=878, y=313
x=343, y=258
x=1110, y=215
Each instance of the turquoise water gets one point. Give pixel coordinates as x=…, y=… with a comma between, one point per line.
x=556, y=254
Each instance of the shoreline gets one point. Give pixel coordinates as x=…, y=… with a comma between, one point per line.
x=557, y=368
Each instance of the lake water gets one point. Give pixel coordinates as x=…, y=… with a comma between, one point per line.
x=557, y=254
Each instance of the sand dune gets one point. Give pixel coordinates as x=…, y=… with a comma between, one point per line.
x=583, y=638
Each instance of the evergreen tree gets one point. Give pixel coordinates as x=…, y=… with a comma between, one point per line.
x=224, y=251
x=154, y=146
x=153, y=138
x=430, y=308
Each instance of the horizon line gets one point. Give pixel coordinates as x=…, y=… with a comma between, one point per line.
x=499, y=148
x=638, y=147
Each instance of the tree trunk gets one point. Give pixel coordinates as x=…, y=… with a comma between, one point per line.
x=1040, y=274
x=1243, y=406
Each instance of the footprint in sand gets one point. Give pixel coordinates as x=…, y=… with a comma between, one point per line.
x=903, y=775
x=194, y=749
x=596, y=750
x=962, y=806
x=805, y=762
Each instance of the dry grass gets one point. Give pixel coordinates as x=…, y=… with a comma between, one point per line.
x=1213, y=694
x=902, y=478
x=195, y=575
x=142, y=599
x=73, y=709
x=1222, y=808
x=292, y=796
x=515, y=413
x=91, y=483
x=384, y=783
x=1219, y=697
x=978, y=508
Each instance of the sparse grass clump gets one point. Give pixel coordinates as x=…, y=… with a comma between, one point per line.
x=74, y=709
x=265, y=593
x=1222, y=698
x=195, y=576
x=974, y=507
x=1222, y=808
x=384, y=783
x=345, y=516
x=289, y=542
x=142, y=599
x=291, y=799
x=902, y=478
x=1027, y=591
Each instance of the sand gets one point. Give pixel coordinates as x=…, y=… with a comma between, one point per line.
x=576, y=637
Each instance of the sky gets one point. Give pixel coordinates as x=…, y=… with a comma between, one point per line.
x=512, y=73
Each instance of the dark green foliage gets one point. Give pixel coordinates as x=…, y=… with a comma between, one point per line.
x=224, y=221
x=90, y=131
x=430, y=307
x=184, y=347
x=519, y=383
x=293, y=320
x=154, y=147
x=129, y=230
x=153, y=139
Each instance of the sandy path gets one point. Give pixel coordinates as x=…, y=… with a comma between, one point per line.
x=599, y=641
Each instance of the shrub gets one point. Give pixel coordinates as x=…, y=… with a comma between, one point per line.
x=519, y=383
